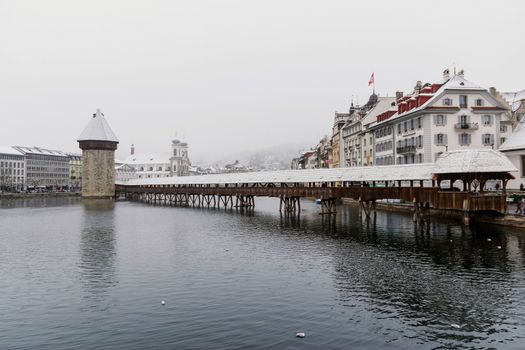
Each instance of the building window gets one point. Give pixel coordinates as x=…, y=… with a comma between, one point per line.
x=522, y=166
x=479, y=102
x=419, y=123
x=487, y=120
x=440, y=120
x=502, y=128
x=399, y=128
x=440, y=139
x=436, y=156
x=487, y=139
x=463, y=101
x=464, y=119
x=501, y=140
x=411, y=124
x=464, y=139
x=447, y=102
x=405, y=126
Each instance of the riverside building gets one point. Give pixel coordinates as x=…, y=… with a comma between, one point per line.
x=157, y=165
x=12, y=169
x=45, y=167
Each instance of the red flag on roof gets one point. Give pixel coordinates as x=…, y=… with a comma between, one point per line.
x=371, y=81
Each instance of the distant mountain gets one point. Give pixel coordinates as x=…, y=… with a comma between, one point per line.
x=271, y=158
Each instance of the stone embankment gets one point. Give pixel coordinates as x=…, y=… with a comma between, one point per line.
x=38, y=195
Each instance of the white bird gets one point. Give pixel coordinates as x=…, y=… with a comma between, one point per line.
x=455, y=325
x=162, y=302
x=300, y=335
x=499, y=247
x=489, y=240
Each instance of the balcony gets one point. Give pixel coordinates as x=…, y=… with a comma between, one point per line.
x=466, y=126
x=406, y=149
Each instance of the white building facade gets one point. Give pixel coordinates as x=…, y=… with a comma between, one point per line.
x=454, y=115
x=157, y=165
x=45, y=167
x=12, y=169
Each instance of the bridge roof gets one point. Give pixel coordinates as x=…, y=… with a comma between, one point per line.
x=376, y=173
x=468, y=161
x=473, y=161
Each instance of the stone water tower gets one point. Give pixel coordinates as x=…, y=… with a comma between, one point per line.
x=98, y=144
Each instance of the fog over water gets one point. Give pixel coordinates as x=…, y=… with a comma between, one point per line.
x=233, y=75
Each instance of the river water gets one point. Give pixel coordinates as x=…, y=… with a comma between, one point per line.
x=91, y=275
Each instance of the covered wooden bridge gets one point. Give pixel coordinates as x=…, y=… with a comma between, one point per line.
x=457, y=181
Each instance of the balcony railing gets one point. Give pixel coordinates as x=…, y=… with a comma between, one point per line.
x=406, y=149
x=466, y=126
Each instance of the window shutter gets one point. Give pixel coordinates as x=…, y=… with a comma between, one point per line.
x=435, y=119
x=468, y=138
x=445, y=141
x=436, y=139
x=444, y=120
x=459, y=139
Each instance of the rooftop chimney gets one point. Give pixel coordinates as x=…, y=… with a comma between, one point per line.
x=399, y=95
x=461, y=73
x=446, y=75
x=418, y=86
x=132, y=149
x=492, y=90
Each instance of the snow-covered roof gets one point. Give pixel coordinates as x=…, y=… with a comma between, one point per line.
x=452, y=162
x=473, y=161
x=10, y=150
x=98, y=130
x=458, y=82
x=383, y=105
x=378, y=173
x=40, y=151
x=514, y=99
x=148, y=158
x=124, y=167
x=516, y=140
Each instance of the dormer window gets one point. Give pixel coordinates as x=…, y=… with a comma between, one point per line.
x=447, y=102
x=479, y=102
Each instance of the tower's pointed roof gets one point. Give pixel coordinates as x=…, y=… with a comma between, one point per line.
x=98, y=130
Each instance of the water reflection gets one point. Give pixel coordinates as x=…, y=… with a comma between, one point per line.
x=429, y=281
x=98, y=250
x=43, y=201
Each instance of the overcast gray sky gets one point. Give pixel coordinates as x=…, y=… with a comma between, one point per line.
x=233, y=75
